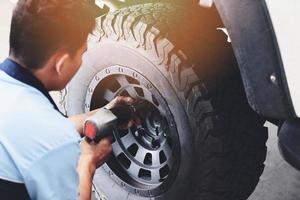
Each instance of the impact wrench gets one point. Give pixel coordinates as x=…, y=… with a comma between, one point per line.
x=103, y=122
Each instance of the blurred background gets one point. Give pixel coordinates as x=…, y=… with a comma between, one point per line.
x=279, y=180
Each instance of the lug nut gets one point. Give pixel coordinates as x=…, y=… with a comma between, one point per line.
x=155, y=144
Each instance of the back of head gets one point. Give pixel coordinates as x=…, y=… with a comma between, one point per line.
x=39, y=28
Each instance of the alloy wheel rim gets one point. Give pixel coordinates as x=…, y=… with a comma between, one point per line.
x=144, y=156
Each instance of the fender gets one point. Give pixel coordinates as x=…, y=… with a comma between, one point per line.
x=256, y=49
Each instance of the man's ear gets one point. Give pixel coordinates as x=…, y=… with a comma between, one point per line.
x=60, y=63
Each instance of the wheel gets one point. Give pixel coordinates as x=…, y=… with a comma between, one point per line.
x=199, y=138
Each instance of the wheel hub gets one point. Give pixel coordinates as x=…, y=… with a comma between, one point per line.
x=154, y=134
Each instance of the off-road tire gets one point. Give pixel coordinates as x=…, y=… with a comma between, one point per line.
x=223, y=148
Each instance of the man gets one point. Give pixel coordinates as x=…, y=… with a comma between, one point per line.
x=42, y=155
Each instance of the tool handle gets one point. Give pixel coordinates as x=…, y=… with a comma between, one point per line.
x=123, y=113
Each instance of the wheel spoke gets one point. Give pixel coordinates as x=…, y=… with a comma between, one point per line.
x=122, y=80
x=116, y=149
x=148, y=95
x=155, y=176
x=126, y=86
x=155, y=158
x=128, y=140
x=109, y=95
x=131, y=91
x=134, y=169
x=141, y=154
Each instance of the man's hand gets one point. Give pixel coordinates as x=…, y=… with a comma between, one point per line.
x=94, y=155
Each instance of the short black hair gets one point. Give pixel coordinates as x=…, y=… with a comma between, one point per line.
x=39, y=28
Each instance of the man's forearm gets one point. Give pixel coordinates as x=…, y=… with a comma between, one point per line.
x=86, y=173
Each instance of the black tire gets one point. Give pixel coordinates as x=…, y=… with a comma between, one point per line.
x=221, y=140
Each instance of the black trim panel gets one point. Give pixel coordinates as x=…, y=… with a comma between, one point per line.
x=256, y=50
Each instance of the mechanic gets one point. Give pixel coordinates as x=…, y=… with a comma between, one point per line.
x=42, y=155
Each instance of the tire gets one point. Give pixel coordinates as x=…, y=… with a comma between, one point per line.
x=219, y=146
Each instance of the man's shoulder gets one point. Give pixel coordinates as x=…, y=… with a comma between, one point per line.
x=28, y=115
x=15, y=93
x=37, y=120
x=30, y=127
x=6, y=80
x=20, y=98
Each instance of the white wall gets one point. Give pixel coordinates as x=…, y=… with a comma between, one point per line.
x=6, y=8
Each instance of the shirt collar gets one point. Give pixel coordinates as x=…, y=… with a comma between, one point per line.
x=22, y=74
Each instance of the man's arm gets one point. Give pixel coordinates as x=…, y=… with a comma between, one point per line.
x=92, y=156
x=86, y=174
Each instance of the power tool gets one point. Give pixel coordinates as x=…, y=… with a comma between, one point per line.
x=105, y=121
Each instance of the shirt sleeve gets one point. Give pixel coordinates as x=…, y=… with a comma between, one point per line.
x=54, y=176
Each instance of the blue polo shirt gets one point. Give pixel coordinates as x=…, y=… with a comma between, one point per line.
x=38, y=146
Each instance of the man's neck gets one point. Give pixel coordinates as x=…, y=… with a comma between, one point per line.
x=41, y=74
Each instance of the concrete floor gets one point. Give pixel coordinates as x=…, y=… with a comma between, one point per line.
x=278, y=182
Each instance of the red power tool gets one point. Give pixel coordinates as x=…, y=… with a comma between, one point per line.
x=104, y=121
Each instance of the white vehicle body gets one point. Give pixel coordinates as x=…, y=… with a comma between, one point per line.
x=286, y=19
